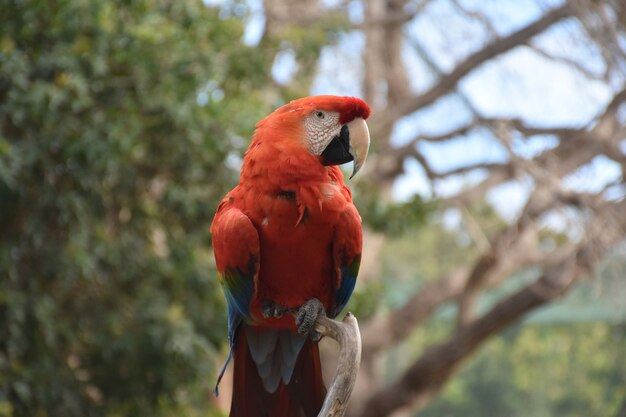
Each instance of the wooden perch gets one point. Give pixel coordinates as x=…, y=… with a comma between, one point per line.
x=347, y=334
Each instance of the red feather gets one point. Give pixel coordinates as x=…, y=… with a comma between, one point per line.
x=303, y=397
x=306, y=230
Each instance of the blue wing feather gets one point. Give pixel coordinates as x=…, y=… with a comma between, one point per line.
x=346, y=284
x=347, y=245
x=236, y=248
x=238, y=290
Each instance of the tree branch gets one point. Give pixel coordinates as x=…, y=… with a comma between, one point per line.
x=484, y=20
x=529, y=130
x=387, y=331
x=439, y=362
x=429, y=373
x=391, y=160
x=566, y=61
x=346, y=333
x=495, y=48
x=394, y=18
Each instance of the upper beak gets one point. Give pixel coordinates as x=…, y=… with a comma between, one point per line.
x=359, y=143
x=351, y=144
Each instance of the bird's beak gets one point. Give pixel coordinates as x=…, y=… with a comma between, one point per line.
x=351, y=144
x=359, y=143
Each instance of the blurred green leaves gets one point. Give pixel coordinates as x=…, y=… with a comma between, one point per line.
x=384, y=215
x=116, y=120
x=111, y=165
x=541, y=371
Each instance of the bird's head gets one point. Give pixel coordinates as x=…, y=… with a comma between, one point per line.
x=332, y=128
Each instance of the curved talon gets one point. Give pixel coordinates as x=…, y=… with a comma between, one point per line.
x=307, y=316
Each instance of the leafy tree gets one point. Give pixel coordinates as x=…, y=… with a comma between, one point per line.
x=115, y=120
x=541, y=370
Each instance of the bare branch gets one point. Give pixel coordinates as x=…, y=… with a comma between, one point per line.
x=387, y=331
x=412, y=151
x=548, y=193
x=567, y=61
x=601, y=29
x=577, y=147
x=396, y=17
x=514, y=247
x=280, y=16
x=385, y=74
x=511, y=249
x=390, y=164
x=454, y=133
x=346, y=333
x=438, y=363
x=428, y=374
x=484, y=20
x=611, y=108
x=495, y=48
x=528, y=130
x=497, y=176
x=467, y=168
x=432, y=65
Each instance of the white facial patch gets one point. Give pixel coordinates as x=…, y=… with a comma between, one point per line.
x=321, y=127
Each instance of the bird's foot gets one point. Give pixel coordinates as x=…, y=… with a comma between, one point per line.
x=307, y=316
x=271, y=310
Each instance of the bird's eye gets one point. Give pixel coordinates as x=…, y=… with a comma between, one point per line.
x=320, y=115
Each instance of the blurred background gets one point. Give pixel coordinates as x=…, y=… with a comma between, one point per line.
x=494, y=272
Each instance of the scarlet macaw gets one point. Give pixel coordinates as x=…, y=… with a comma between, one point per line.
x=288, y=239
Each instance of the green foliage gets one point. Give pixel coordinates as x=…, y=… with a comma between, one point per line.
x=366, y=299
x=538, y=370
x=389, y=217
x=403, y=223
x=307, y=42
x=115, y=120
x=565, y=359
x=420, y=252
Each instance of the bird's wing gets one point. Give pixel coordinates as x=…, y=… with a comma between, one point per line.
x=347, y=246
x=236, y=247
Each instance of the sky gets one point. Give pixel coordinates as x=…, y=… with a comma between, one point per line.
x=521, y=84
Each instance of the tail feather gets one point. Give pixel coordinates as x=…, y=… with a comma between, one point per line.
x=307, y=383
x=302, y=397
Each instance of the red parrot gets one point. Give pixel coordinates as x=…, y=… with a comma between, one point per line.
x=287, y=241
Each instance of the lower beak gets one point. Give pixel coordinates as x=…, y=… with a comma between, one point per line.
x=359, y=143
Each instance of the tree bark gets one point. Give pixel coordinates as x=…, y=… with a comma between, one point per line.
x=347, y=335
x=429, y=373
